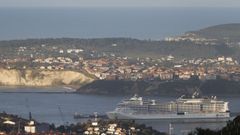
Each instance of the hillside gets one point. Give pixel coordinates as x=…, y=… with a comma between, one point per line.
x=232, y=128
x=124, y=47
x=229, y=32
x=24, y=58
x=40, y=78
x=137, y=48
x=178, y=87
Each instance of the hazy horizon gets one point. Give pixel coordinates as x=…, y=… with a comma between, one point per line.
x=119, y=3
x=141, y=23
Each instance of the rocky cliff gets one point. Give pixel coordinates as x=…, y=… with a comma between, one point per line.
x=39, y=78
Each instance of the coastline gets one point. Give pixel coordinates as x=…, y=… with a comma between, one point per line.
x=38, y=89
x=70, y=89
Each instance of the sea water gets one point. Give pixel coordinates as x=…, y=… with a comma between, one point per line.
x=44, y=104
x=142, y=23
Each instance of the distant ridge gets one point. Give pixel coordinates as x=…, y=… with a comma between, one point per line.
x=221, y=32
x=227, y=44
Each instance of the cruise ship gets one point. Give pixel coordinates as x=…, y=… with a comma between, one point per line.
x=193, y=107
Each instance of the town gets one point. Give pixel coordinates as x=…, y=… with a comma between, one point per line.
x=110, y=66
x=15, y=125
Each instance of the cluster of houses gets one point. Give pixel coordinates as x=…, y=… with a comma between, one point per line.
x=193, y=38
x=21, y=126
x=203, y=68
x=112, y=68
x=122, y=68
x=109, y=129
x=11, y=124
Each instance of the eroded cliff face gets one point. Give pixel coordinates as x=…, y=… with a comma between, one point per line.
x=40, y=78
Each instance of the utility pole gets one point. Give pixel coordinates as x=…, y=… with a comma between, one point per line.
x=19, y=127
x=62, y=117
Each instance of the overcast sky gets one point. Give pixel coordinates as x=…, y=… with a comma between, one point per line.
x=119, y=3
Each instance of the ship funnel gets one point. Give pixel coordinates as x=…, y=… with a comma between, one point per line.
x=153, y=102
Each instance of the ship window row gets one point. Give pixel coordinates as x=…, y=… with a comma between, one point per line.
x=184, y=108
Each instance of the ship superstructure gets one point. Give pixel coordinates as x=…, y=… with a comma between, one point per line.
x=184, y=107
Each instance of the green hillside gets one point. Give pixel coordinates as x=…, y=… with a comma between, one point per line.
x=224, y=31
x=125, y=47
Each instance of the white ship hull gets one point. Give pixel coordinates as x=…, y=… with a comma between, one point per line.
x=137, y=108
x=127, y=116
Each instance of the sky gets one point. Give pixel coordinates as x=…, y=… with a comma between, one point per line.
x=119, y=3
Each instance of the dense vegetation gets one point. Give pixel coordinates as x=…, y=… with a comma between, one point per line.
x=177, y=87
x=125, y=47
x=232, y=128
x=230, y=32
